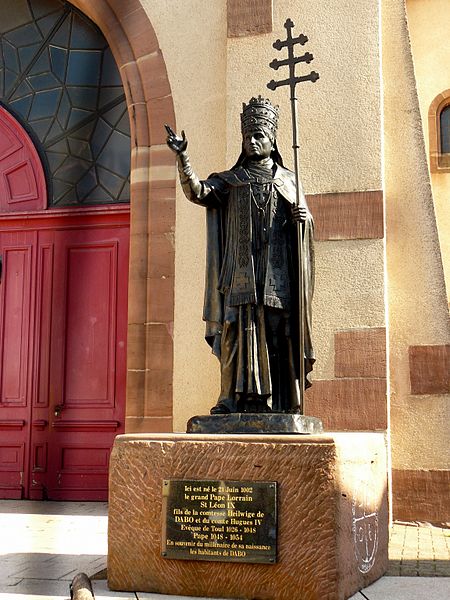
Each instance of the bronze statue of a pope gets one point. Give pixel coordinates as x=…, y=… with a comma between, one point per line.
x=252, y=288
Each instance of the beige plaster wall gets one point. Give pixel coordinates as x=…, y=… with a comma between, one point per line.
x=349, y=294
x=429, y=24
x=340, y=117
x=416, y=292
x=192, y=37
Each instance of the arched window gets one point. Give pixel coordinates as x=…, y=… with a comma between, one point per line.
x=444, y=130
x=439, y=131
x=59, y=78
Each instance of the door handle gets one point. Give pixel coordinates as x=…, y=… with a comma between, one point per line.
x=58, y=409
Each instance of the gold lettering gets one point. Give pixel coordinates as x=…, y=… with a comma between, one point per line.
x=216, y=520
x=195, y=497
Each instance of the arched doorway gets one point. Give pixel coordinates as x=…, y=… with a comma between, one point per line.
x=64, y=243
x=134, y=43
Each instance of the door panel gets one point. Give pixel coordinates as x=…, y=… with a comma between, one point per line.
x=15, y=361
x=15, y=325
x=90, y=329
x=41, y=443
x=88, y=345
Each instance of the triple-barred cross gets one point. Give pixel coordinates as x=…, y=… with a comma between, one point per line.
x=292, y=60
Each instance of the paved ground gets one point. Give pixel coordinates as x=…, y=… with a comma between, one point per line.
x=419, y=559
x=44, y=544
x=419, y=549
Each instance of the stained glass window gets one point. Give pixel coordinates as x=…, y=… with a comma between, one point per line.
x=58, y=76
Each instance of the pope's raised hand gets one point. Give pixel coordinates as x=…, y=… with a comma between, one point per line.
x=176, y=143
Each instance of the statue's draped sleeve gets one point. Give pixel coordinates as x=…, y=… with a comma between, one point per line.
x=212, y=194
x=207, y=193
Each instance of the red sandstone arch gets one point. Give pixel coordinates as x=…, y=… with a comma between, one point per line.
x=133, y=41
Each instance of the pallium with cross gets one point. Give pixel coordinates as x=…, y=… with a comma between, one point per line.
x=291, y=61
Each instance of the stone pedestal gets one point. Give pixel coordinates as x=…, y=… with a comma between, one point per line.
x=332, y=513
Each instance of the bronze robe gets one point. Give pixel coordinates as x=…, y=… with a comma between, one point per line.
x=252, y=312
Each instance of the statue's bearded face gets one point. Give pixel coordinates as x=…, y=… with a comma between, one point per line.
x=257, y=144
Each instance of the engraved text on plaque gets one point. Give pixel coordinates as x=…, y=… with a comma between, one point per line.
x=219, y=520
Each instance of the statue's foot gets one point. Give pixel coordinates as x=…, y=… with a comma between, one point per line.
x=220, y=409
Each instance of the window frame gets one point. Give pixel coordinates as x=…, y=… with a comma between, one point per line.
x=439, y=161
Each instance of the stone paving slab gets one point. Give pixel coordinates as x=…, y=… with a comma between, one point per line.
x=406, y=588
x=101, y=592
x=36, y=589
x=52, y=566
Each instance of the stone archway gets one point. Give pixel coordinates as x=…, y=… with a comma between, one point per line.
x=133, y=41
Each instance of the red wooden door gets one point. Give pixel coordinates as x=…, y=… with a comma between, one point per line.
x=85, y=365
x=63, y=322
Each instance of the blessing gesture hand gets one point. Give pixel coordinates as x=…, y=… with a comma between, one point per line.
x=176, y=143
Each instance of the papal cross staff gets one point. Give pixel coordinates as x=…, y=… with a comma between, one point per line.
x=292, y=81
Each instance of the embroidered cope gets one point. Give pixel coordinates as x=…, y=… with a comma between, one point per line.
x=251, y=290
